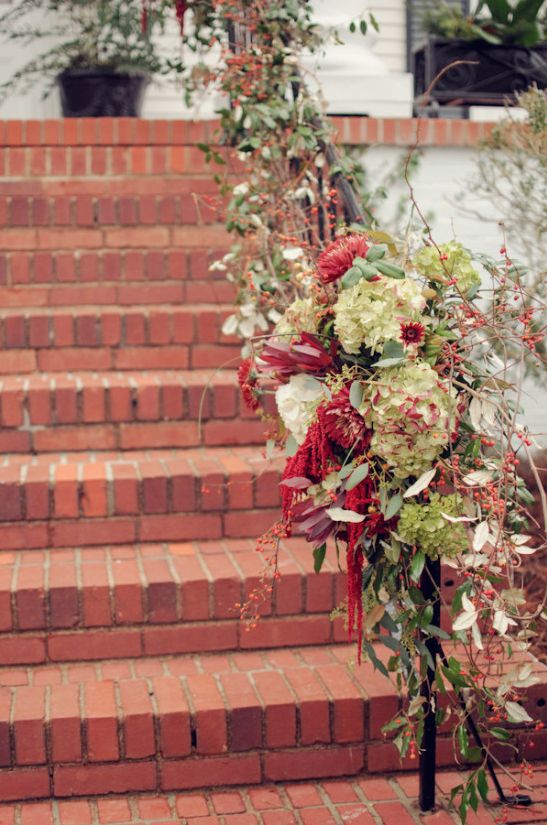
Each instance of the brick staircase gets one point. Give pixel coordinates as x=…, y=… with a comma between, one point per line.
x=132, y=486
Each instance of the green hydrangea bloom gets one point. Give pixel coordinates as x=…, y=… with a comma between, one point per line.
x=412, y=413
x=423, y=526
x=371, y=312
x=300, y=316
x=457, y=263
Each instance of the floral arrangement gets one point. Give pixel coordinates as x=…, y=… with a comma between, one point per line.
x=402, y=447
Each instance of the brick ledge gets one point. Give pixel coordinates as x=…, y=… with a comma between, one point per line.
x=136, y=131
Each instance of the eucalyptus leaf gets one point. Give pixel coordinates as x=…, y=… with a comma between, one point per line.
x=356, y=394
x=358, y=475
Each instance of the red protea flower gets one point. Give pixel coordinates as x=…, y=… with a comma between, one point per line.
x=338, y=257
x=304, y=354
x=247, y=382
x=412, y=332
x=343, y=423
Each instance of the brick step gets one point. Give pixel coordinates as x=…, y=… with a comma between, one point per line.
x=75, y=499
x=107, y=161
x=176, y=723
x=118, y=295
x=124, y=411
x=118, y=601
x=60, y=238
x=75, y=209
x=99, y=267
x=99, y=338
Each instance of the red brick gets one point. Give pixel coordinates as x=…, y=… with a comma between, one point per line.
x=280, y=709
x=28, y=726
x=37, y=492
x=77, y=812
x=245, y=709
x=30, y=598
x=113, y=811
x=64, y=723
x=313, y=703
x=63, y=595
x=16, y=650
x=118, y=644
x=14, y=327
x=210, y=716
x=101, y=722
x=95, y=593
x=174, y=717
x=104, y=779
x=232, y=770
x=154, y=486
x=26, y=783
x=192, y=806
x=37, y=813
x=94, y=490
x=138, y=721
x=11, y=507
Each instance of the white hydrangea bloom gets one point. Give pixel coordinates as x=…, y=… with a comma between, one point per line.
x=300, y=316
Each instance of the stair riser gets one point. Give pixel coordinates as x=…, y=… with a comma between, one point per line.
x=129, y=437
x=201, y=206
x=191, y=292
x=99, y=267
x=54, y=648
x=38, y=162
x=120, y=357
x=183, y=526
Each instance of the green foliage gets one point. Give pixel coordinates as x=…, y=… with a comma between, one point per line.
x=495, y=21
x=90, y=34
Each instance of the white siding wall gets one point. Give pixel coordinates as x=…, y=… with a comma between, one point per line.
x=438, y=186
x=164, y=99
x=391, y=45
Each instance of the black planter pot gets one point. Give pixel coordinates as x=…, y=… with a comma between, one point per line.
x=500, y=71
x=88, y=93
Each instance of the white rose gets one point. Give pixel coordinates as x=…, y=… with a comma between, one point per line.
x=297, y=401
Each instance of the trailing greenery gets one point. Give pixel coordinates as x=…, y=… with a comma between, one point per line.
x=114, y=35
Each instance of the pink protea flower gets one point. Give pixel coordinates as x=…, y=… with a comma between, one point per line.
x=343, y=423
x=303, y=354
x=338, y=257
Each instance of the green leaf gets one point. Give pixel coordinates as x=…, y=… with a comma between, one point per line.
x=363, y=26
x=384, y=363
x=501, y=734
x=291, y=446
x=360, y=473
x=396, y=723
x=527, y=10
x=390, y=270
x=367, y=270
x=393, y=506
x=393, y=349
x=376, y=252
x=433, y=630
x=499, y=9
x=319, y=556
x=352, y=27
x=356, y=394
x=482, y=784
x=463, y=740
x=352, y=277
x=417, y=565
x=392, y=551
x=373, y=22
x=474, y=754
x=416, y=595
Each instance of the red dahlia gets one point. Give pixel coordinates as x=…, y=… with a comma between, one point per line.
x=412, y=333
x=338, y=257
x=247, y=383
x=343, y=424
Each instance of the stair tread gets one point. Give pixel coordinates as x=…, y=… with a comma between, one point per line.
x=203, y=459
x=63, y=599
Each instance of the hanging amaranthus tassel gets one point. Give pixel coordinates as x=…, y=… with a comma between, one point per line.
x=144, y=16
x=358, y=500
x=180, y=8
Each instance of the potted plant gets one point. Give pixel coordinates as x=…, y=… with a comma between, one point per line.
x=502, y=44
x=103, y=54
